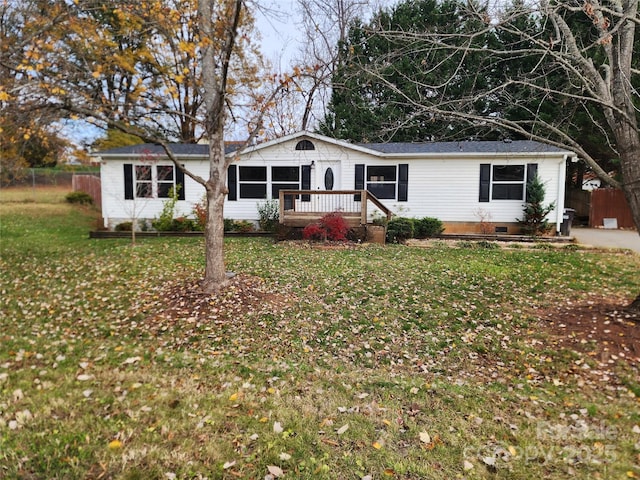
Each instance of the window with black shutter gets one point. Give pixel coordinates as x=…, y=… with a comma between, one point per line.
x=252, y=182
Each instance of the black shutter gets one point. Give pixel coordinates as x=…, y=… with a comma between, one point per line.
x=403, y=182
x=180, y=181
x=306, y=182
x=532, y=173
x=128, y=181
x=232, y=183
x=485, y=181
x=359, y=181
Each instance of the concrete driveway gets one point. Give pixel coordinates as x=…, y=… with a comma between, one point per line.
x=607, y=238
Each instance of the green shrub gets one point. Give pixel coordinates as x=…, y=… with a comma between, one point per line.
x=534, y=221
x=244, y=226
x=399, y=230
x=427, y=227
x=183, y=224
x=164, y=223
x=124, y=227
x=82, y=198
x=229, y=225
x=269, y=215
x=487, y=245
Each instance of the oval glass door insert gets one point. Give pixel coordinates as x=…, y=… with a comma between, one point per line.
x=328, y=179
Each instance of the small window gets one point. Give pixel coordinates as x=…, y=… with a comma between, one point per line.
x=152, y=181
x=377, y=173
x=253, y=182
x=144, y=181
x=507, y=192
x=165, y=180
x=508, y=182
x=252, y=190
x=508, y=173
x=253, y=174
x=285, y=174
x=381, y=181
x=305, y=145
x=284, y=178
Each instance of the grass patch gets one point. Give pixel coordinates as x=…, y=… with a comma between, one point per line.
x=382, y=361
x=51, y=194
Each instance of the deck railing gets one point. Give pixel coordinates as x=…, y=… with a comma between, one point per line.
x=298, y=208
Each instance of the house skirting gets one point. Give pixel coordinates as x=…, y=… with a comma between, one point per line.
x=483, y=228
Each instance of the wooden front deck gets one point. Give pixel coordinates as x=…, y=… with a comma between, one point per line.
x=299, y=208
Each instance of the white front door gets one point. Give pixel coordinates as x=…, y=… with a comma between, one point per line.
x=328, y=176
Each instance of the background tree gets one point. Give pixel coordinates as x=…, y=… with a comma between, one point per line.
x=114, y=138
x=28, y=134
x=381, y=94
x=323, y=26
x=368, y=103
x=578, y=77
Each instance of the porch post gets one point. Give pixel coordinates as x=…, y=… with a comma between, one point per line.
x=363, y=208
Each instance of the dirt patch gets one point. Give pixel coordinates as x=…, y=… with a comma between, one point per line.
x=186, y=304
x=600, y=327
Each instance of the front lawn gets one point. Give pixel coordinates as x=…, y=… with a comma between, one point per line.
x=363, y=362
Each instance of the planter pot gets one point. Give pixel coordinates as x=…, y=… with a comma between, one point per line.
x=376, y=234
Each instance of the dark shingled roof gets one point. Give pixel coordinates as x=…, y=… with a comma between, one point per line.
x=399, y=148
x=177, y=148
x=516, y=146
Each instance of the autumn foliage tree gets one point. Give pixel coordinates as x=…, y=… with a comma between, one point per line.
x=28, y=137
x=161, y=70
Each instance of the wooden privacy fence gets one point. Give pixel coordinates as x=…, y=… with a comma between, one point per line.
x=609, y=203
x=89, y=184
x=298, y=208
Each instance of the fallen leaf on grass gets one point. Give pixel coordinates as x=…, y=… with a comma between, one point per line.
x=275, y=471
x=277, y=427
x=376, y=445
x=490, y=461
x=115, y=445
x=425, y=437
x=228, y=465
x=343, y=429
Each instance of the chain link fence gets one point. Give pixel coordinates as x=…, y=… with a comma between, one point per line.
x=45, y=177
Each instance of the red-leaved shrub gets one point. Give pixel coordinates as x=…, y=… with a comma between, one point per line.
x=331, y=226
x=313, y=232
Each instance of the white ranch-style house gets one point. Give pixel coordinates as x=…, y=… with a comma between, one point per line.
x=467, y=185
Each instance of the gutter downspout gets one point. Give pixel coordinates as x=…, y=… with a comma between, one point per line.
x=562, y=178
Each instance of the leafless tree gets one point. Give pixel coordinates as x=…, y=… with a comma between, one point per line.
x=589, y=45
x=324, y=24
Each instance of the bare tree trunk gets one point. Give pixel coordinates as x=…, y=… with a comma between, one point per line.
x=635, y=305
x=631, y=186
x=215, y=71
x=629, y=149
x=215, y=275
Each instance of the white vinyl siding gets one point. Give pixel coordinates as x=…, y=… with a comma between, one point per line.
x=441, y=186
